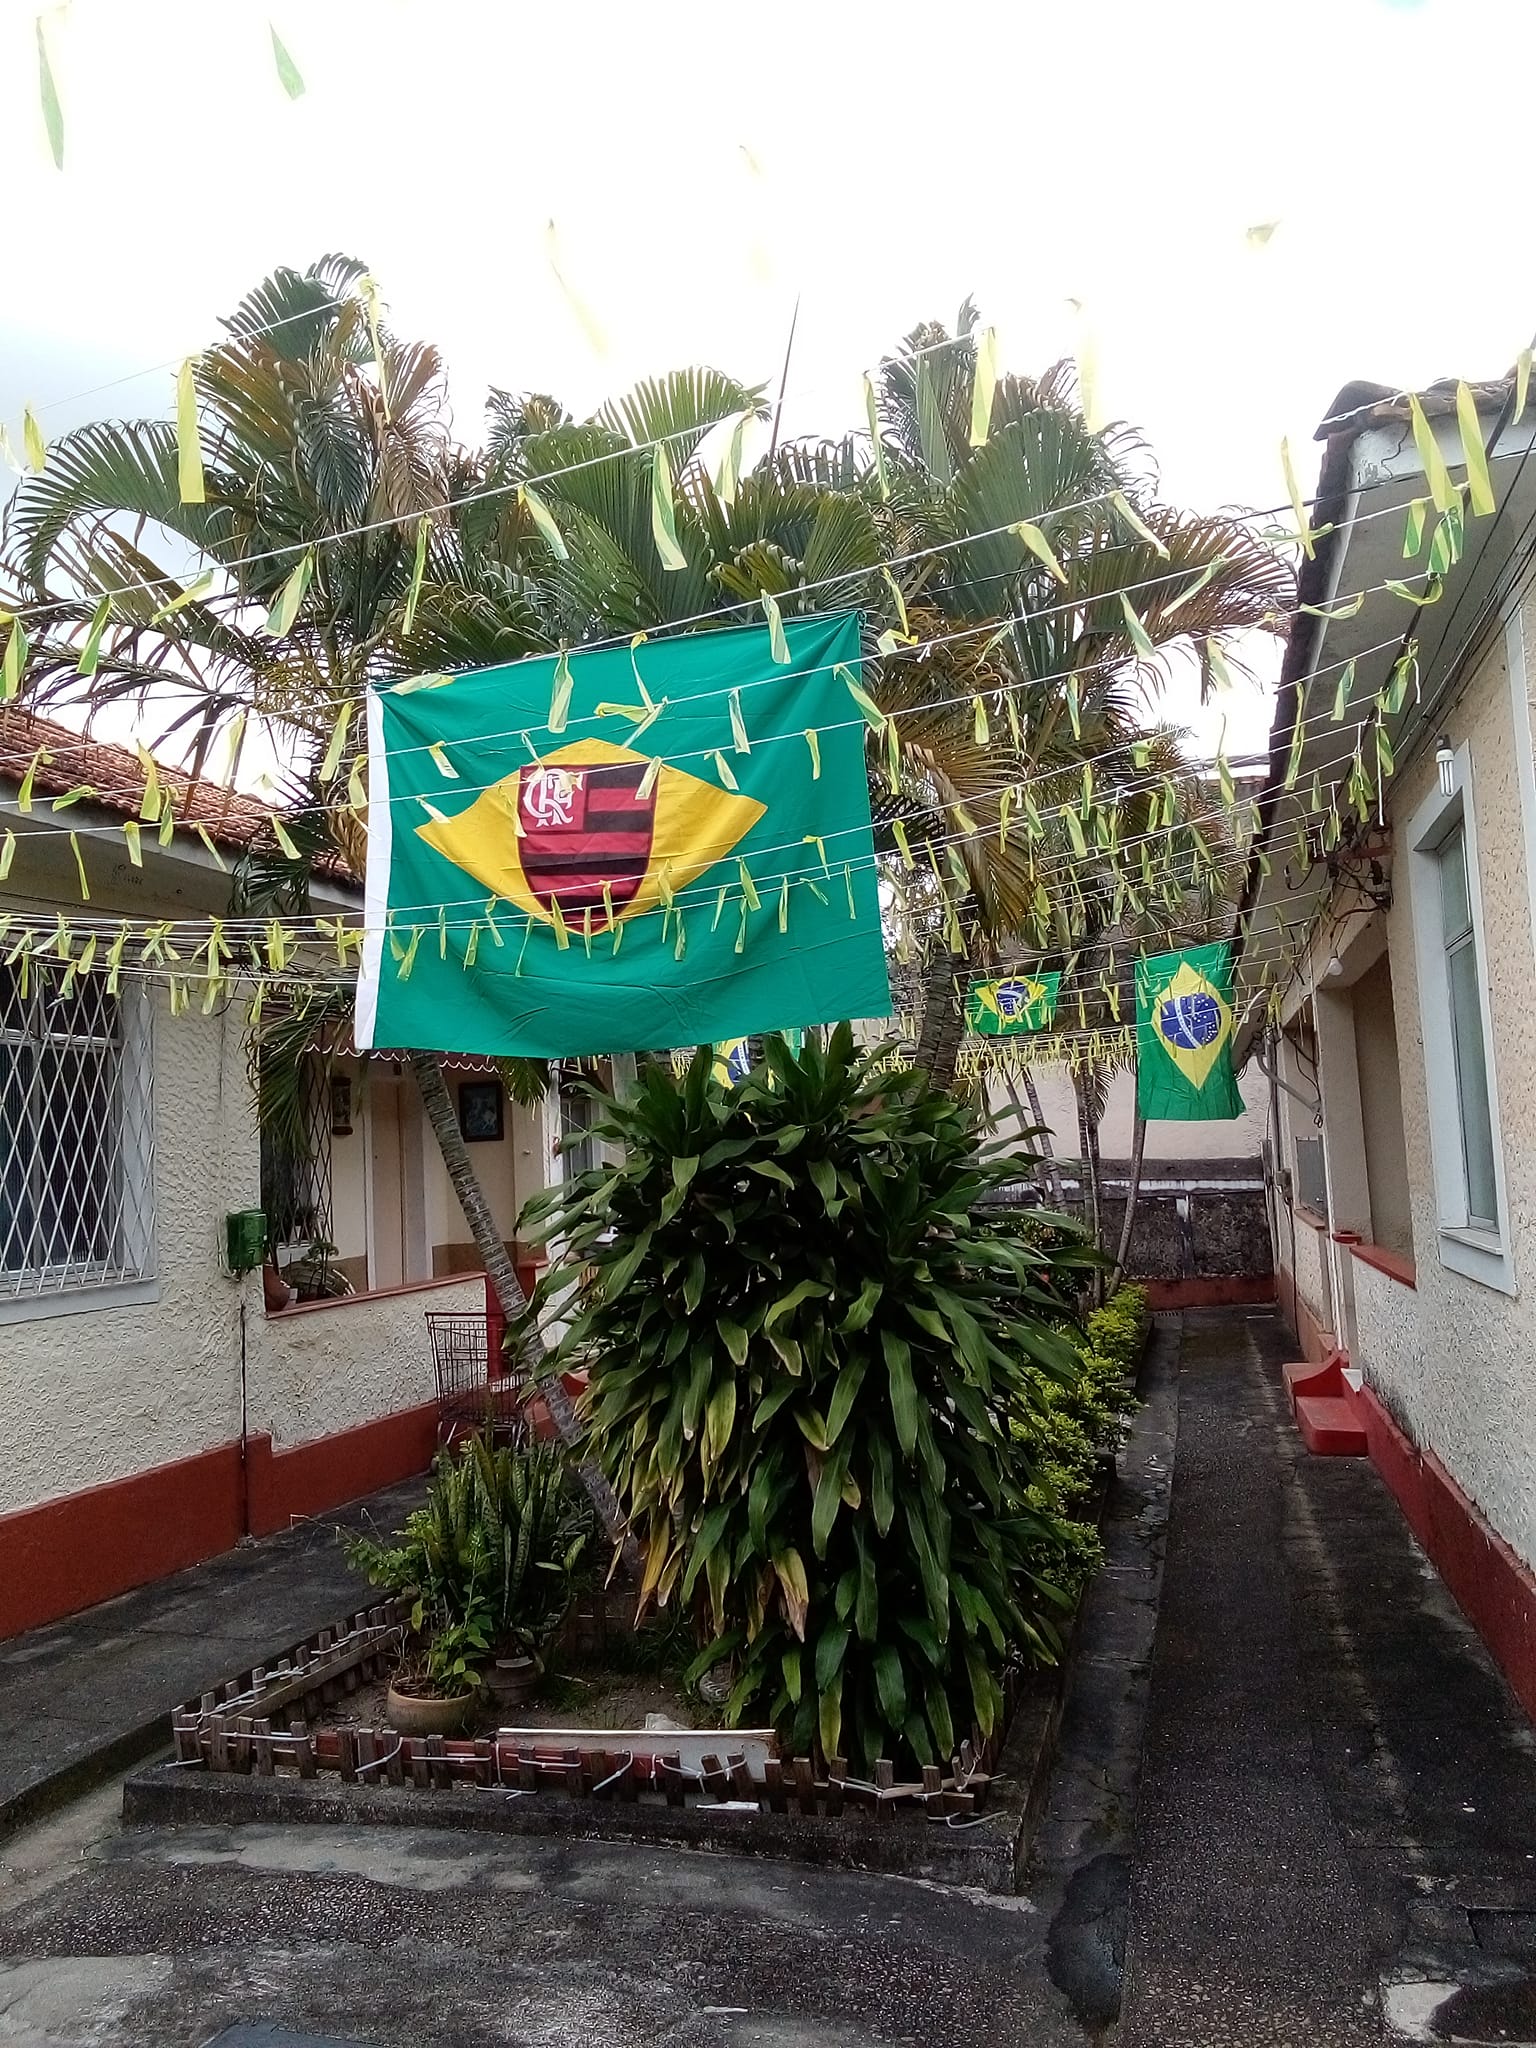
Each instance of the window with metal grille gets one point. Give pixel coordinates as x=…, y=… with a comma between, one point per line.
x=76, y=1134
x=579, y=1151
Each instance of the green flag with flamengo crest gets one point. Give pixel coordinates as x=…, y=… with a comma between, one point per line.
x=1184, y=1036
x=623, y=849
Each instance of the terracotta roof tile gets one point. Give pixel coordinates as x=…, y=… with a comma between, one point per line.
x=115, y=777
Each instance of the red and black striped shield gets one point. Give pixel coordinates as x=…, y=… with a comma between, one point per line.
x=584, y=828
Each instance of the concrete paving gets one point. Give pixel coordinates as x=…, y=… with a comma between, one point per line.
x=93, y=1693
x=1336, y=1835
x=1294, y=1801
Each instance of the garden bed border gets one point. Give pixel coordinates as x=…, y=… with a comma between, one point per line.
x=977, y=1837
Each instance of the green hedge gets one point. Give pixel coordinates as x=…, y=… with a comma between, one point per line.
x=1079, y=1423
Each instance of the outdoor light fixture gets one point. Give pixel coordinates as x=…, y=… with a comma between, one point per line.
x=1445, y=764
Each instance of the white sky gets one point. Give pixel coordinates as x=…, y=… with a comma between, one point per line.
x=1027, y=151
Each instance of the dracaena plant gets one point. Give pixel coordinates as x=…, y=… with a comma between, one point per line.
x=816, y=1364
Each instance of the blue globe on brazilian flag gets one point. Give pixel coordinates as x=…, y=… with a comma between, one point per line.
x=1184, y=1036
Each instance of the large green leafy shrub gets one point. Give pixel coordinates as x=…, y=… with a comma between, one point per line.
x=490, y=1560
x=813, y=1369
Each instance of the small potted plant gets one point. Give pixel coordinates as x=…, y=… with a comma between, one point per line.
x=490, y=1562
x=436, y=1693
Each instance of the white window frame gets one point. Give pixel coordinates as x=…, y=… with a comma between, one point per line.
x=1471, y=1249
x=71, y=1290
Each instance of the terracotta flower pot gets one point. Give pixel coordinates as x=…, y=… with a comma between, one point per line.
x=417, y=1713
x=513, y=1680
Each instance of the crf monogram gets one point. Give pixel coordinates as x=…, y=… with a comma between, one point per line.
x=549, y=797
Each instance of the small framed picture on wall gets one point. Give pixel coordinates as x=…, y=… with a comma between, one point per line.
x=481, y=1116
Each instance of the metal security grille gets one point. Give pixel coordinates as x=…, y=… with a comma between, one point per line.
x=76, y=1134
x=297, y=1168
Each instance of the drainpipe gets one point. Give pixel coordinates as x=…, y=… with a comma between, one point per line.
x=245, y=1434
x=1271, y=1072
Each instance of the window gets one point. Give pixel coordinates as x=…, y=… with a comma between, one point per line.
x=1460, y=1081
x=578, y=1148
x=1311, y=1179
x=76, y=1135
x=1466, y=1017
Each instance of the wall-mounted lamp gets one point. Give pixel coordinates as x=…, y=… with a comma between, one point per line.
x=1445, y=766
x=1335, y=967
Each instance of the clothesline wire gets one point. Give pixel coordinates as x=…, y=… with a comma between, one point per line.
x=314, y=929
x=698, y=432
x=456, y=786
x=1149, y=782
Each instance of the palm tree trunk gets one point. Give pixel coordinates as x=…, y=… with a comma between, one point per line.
x=1132, y=1192
x=1047, y=1147
x=438, y=1104
x=938, y=1045
x=1088, y=1139
x=1088, y=1188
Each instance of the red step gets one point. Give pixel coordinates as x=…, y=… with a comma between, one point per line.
x=1306, y=1378
x=1329, y=1426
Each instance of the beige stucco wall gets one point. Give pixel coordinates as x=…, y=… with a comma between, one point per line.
x=1381, y=1109
x=509, y=1172
x=91, y=1393
x=1310, y=1270
x=335, y=1366
x=99, y=1394
x=1455, y=1359
x=1240, y=1138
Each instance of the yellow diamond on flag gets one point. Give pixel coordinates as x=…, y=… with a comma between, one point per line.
x=580, y=829
x=733, y=1061
x=1193, y=1022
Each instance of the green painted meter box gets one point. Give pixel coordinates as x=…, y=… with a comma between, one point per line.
x=245, y=1239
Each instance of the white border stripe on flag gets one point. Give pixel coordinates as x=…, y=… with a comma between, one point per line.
x=376, y=884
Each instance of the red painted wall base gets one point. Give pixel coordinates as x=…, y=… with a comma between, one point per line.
x=1216, y=1291
x=1492, y=1586
x=90, y=1546
x=314, y=1477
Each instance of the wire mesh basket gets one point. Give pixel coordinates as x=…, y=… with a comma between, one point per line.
x=468, y=1398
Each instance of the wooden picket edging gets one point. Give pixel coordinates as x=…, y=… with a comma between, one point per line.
x=260, y=1724
x=234, y=1727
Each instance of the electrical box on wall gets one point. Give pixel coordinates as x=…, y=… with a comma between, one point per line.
x=245, y=1239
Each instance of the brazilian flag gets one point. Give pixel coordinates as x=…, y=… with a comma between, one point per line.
x=1184, y=1036
x=733, y=1061
x=666, y=843
x=1018, y=1002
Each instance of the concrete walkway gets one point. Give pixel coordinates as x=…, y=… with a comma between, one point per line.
x=1336, y=1836
x=1295, y=1801
x=93, y=1693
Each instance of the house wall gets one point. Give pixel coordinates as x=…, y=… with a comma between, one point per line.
x=1453, y=1363
x=90, y=1396
x=1448, y=1357
x=350, y=1191
x=509, y=1171
x=121, y=1456
x=1381, y=1108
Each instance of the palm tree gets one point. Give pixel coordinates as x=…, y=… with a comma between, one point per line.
x=326, y=444
x=1034, y=543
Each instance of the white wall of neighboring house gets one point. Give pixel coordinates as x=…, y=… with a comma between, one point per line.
x=1232, y=1138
